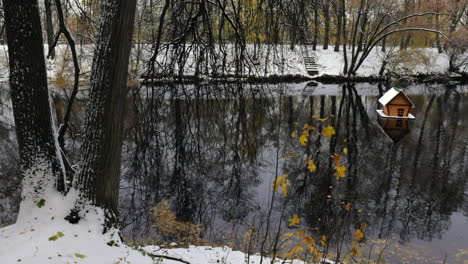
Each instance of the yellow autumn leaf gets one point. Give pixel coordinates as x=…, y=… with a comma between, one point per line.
x=315, y=116
x=280, y=181
x=284, y=186
x=283, y=156
x=323, y=240
x=303, y=140
x=340, y=171
x=345, y=151
x=355, y=252
x=291, y=155
x=306, y=126
x=306, y=133
x=289, y=235
x=294, y=220
x=336, y=158
x=311, y=166
x=301, y=232
x=276, y=185
x=328, y=131
x=294, y=251
x=358, y=235
x=364, y=225
x=308, y=240
x=294, y=134
x=347, y=207
x=296, y=123
x=323, y=119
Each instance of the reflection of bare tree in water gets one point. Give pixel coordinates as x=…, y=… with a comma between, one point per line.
x=200, y=149
x=205, y=148
x=9, y=176
x=410, y=188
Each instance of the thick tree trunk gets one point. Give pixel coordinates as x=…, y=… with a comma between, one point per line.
x=99, y=175
x=49, y=27
x=40, y=160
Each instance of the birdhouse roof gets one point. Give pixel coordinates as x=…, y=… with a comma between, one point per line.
x=392, y=93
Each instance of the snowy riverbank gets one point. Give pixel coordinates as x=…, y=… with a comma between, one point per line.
x=265, y=62
x=42, y=236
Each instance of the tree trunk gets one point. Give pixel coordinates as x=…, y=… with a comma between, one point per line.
x=345, y=37
x=338, y=31
x=99, y=175
x=41, y=165
x=384, y=44
x=363, y=29
x=439, y=45
x=49, y=27
x=316, y=28
x=326, y=14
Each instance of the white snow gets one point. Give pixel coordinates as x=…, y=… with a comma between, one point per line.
x=42, y=236
x=207, y=255
x=382, y=114
x=30, y=240
x=271, y=60
x=390, y=94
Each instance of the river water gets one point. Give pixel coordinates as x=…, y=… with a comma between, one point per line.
x=213, y=151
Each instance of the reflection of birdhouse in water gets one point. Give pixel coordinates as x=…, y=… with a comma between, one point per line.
x=395, y=129
x=395, y=105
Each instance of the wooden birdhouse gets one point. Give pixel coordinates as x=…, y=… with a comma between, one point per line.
x=395, y=104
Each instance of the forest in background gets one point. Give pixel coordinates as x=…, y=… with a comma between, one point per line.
x=79, y=185
x=249, y=32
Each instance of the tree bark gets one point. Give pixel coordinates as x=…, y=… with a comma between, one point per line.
x=40, y=162
x=326, y=14
x=338, y=27
x=316, y=27
x=384, y=44
x=363, y=28
x=99, y=175
x=49, y=28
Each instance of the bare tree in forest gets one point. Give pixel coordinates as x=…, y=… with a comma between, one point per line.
x=40, y=161
x=373, y=22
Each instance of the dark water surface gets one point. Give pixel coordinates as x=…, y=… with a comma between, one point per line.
x=214, y=151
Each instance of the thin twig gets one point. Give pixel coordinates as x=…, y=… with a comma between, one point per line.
x=167, y=257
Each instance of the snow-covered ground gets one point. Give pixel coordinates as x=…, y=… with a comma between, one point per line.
x=268, y=60
x=42, y=236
